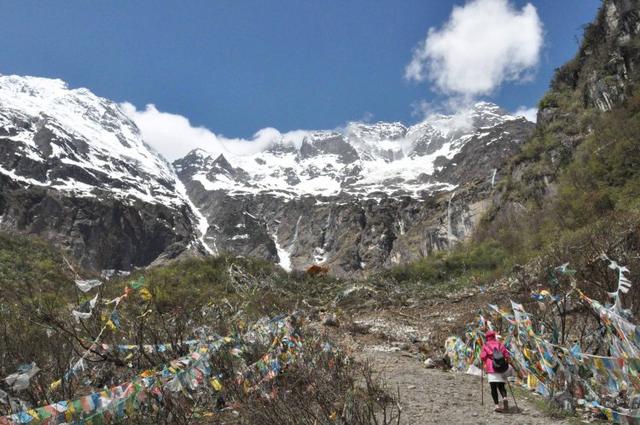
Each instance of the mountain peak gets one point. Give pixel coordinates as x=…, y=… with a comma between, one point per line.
x=484, y=105
x=364, y=159
x=31, y=85
x=199, y=152
x=222, y=163
x=86, y=139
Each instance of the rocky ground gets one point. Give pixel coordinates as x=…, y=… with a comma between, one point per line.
x=434, y=396
x=430, y=395
x=396, y=342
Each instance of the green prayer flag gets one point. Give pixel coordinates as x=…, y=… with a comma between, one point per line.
x=138, y=283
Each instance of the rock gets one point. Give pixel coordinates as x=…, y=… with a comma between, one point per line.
x=429, y=363
x=565, y=401
x=313, y=315
x=331, y=320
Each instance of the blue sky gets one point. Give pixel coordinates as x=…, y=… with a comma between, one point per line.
x=238, y=66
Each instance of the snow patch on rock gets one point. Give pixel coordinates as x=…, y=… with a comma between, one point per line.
x=283, y=255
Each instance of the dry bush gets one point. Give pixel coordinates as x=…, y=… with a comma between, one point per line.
x=324, y=388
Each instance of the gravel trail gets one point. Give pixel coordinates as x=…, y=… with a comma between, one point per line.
x=434, y=396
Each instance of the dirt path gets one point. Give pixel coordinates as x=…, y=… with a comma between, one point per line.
x=394, y=343
x=434, y=396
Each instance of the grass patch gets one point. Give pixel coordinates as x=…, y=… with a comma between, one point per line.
x=546, y=406
x=29, y=268
x=470, y=264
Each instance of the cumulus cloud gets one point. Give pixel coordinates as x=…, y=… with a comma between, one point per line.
x=530, y=114
x=426, y=110
x=173, y=136
x=483, y=44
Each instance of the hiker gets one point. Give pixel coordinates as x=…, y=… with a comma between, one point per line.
x=494, y=356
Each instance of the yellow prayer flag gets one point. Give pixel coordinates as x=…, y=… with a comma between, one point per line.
x=527, y=353
x=55, y=384
x=608, y=413
x=532, y=382
x=215, y=384
x=145, y=294
x=598, y=363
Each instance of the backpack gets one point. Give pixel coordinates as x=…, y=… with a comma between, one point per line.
x=500, y=364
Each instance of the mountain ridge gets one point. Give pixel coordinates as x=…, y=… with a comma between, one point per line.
x=356, y=200
x=77, y=170
x=364, y=158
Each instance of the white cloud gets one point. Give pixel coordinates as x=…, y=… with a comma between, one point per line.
x=452, y=106
x=483, y=44
x=173, y=136
x=530, y=114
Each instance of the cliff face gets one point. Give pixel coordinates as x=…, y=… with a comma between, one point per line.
x=608, y=61
x=101, y=232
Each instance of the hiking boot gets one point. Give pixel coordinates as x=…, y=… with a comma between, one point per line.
x=498, y=409
x=505, y=405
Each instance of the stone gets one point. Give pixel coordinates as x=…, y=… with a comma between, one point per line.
x=331, y=320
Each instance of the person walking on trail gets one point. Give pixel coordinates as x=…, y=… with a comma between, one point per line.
x=495, y=357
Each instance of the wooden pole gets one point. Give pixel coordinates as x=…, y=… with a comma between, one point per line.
x=513, y=395
x=482, y=386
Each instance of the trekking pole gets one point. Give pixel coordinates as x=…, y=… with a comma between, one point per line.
x=513, y=395
x=482, y=386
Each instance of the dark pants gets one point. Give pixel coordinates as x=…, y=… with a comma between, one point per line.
x=495, y=386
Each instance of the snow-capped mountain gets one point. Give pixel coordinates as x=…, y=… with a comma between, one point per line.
x=364, y=197
x=76, y=170
x=90, y=168
x=84, y=141
x=364, y=160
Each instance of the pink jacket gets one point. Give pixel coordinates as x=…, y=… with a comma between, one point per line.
x=486, y=355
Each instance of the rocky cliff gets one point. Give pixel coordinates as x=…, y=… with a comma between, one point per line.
x=601, y=78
